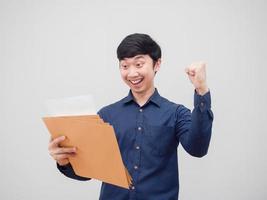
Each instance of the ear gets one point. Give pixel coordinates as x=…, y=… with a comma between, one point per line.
x=157, y=65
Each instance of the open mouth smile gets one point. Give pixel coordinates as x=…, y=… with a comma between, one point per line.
x=137, y=81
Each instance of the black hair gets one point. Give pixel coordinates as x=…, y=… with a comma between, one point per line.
x=136, y=44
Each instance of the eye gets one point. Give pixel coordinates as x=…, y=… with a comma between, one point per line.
x=139, y=65
x=124, y=66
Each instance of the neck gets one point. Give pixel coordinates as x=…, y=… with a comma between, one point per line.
x=142, y=98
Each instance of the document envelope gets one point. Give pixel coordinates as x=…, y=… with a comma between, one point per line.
x=98, y=154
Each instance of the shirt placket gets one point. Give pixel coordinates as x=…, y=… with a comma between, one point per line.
x=137, y=150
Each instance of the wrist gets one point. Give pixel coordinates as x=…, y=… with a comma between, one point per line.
x=202, y=90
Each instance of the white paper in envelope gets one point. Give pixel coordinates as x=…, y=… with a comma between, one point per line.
x=71, y=106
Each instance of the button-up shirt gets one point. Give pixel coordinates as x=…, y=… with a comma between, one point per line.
x=148, y=137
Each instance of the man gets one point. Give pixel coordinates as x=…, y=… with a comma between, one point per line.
x=149, y=127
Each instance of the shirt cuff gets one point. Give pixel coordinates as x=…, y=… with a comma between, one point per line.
x=202, y=102
x=65, y=168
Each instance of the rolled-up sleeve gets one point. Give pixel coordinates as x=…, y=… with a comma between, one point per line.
x=193, y=130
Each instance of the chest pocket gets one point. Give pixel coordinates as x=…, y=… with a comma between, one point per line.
x=160, y=139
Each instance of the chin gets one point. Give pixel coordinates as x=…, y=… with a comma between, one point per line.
x=139, y=90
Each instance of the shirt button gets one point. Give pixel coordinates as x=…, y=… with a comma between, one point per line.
x=141, y=110
x=137, y=147
x=139, y=128
x=135, y=167
x=132, y=187
x=202, y=104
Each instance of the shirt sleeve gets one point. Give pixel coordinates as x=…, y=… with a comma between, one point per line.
x=103, y=113
x=193, y=130
x=68, y=171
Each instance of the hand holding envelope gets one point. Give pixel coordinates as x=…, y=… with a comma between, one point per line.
x=60, y=154
x=97, y=151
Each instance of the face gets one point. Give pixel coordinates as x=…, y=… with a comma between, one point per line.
x=138, y=72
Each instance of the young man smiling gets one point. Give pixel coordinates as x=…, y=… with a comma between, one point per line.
x=149, y=127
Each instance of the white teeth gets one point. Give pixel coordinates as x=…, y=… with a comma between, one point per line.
x=136, y=81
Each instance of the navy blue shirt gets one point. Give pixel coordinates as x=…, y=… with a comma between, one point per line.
x=148, y=137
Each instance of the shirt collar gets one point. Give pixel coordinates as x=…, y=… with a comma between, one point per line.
x=155, y=98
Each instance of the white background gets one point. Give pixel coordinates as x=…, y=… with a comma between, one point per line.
x=53, y=49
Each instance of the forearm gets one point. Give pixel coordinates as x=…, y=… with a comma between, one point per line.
x=197, y=138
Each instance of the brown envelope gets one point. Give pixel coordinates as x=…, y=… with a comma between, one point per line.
x=98, y=154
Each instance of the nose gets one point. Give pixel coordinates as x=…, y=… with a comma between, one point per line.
x=132, y=72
